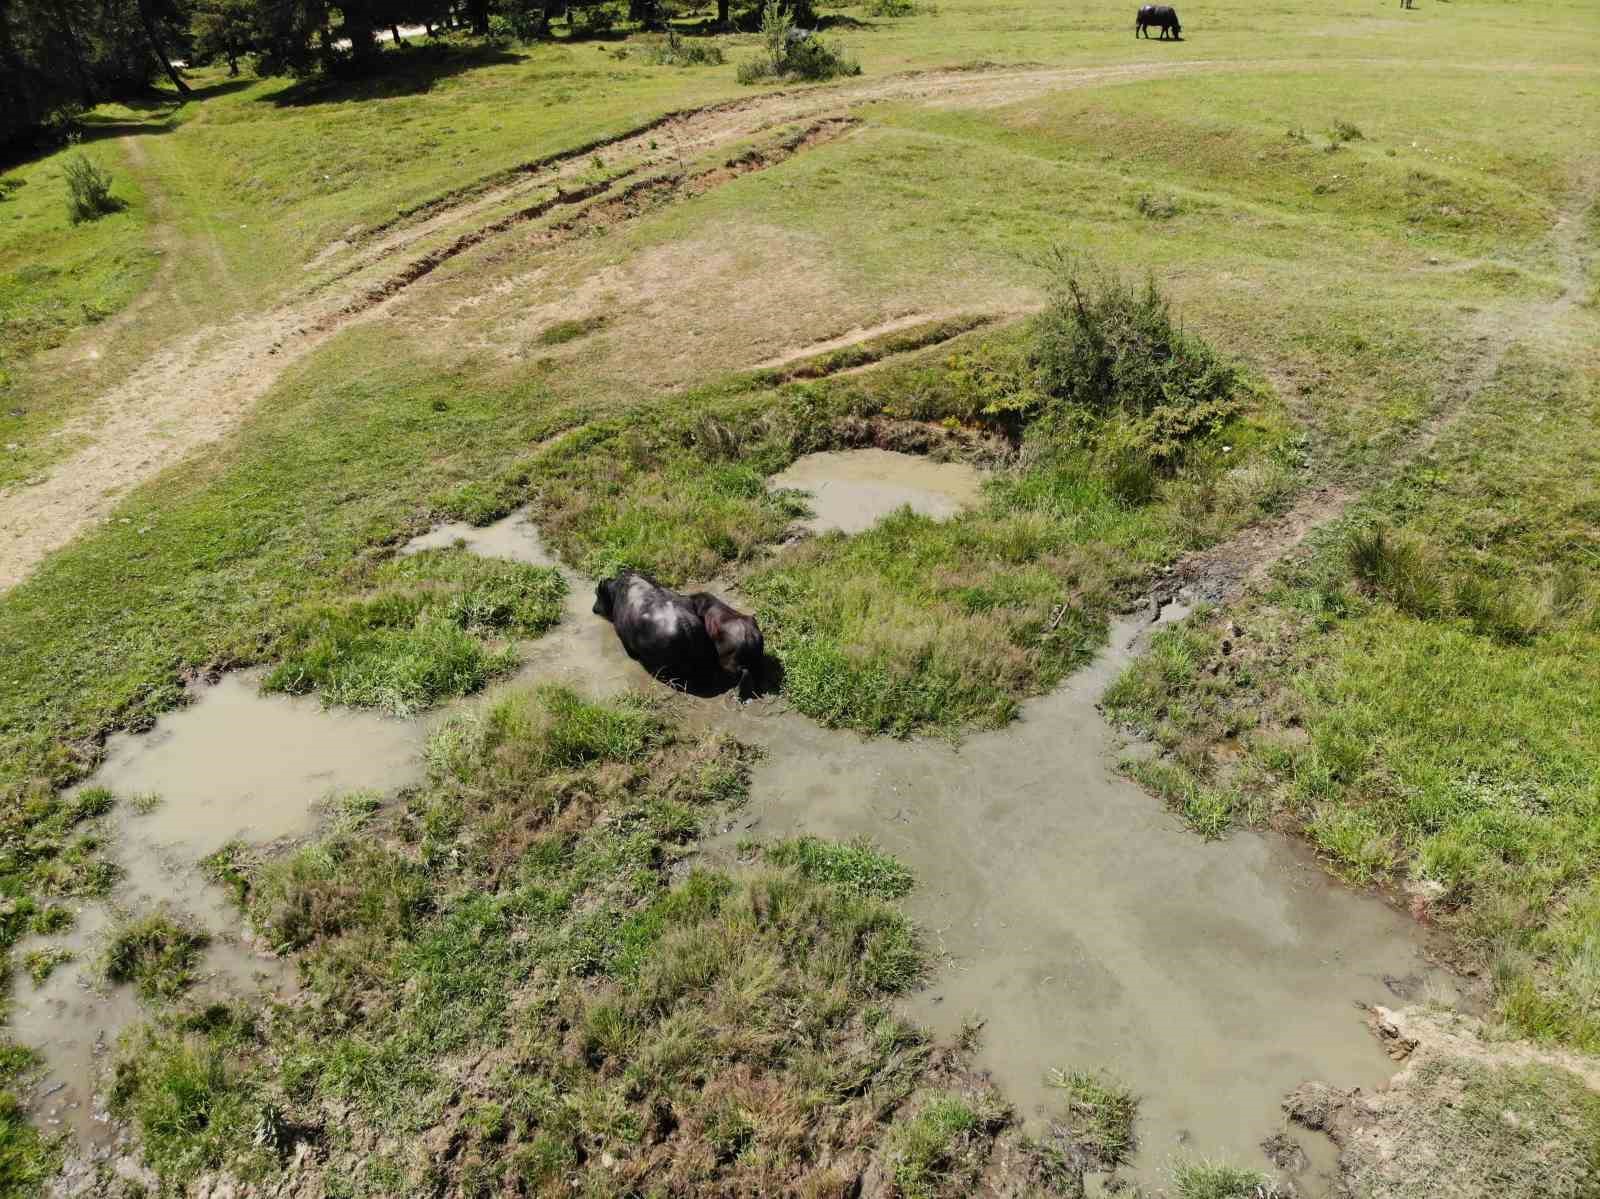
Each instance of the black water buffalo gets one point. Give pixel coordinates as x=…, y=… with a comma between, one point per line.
x=692, y=641
x=1162, y=16
x=741, y=650
x=660, y=629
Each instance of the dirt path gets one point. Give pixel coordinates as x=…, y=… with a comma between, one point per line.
x=1225, y=571
x=199, y=387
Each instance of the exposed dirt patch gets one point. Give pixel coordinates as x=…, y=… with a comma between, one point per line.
x=853, y=337
x=1466, y=1116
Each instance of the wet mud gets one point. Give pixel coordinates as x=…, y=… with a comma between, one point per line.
x=851, y=490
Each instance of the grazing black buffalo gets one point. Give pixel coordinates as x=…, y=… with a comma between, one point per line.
x=741, y=650
x=1162, y=16
x=660, y=629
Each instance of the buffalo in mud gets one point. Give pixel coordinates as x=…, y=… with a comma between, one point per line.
x=696, y=642
x=1158, y=16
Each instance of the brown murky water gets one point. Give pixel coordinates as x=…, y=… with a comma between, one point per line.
x=510, y=537
x=233, y=764
x=851, y=490
x=1089, y=929
x=1070, y=912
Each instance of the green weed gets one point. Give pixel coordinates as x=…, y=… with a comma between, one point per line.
x=41, y=963
x=941, y=1149
x=1219, y=1180
x=416, y=638
x=88, y=190
x=857, y=866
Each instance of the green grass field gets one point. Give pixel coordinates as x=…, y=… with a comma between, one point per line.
x=1382, y=222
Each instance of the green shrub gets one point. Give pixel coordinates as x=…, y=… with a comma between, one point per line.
x=894, y=8
x=1344, y=131
x=675, y=51
x=1158, y=207
x=591, y=20
x=88, y=190
x=857, y=866
x=1104, y=349
x=790, y=53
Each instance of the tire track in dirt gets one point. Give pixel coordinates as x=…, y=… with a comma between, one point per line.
x=205, y=384
x=199, y=387
x=1224, y=572
x=668, y=141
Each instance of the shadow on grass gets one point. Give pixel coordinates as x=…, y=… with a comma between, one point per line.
x=409, y=70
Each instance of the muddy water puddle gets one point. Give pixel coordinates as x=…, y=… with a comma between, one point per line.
x=233, y=764
x=1081, y=921
x=851, y=490
x=1070, y=912
x=1090, y=930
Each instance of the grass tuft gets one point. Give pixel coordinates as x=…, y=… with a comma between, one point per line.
x=858, y=866
x=1218, y=1180
x=417, y=637
x=1099, y=1116
x=157, y=954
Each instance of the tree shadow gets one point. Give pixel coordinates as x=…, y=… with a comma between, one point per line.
x=409, y=70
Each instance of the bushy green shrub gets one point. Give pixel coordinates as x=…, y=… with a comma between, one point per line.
x=88, y=190
x=790, y=53
x=675, y=51
x=1107, y=350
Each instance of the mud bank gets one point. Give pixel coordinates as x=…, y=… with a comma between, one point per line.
x=851, y=490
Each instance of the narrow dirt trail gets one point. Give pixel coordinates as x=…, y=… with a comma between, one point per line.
x=200, y=386
x=1225, y=571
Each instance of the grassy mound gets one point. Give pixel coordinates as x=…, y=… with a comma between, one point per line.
x=416, y=637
